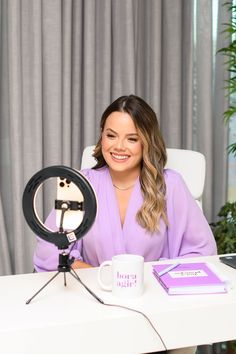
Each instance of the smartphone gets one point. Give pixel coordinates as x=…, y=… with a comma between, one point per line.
x=69, y=195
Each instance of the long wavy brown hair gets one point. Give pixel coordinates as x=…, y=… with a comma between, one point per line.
x=154, y=158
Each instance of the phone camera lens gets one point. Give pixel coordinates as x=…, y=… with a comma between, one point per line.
x=62, y=184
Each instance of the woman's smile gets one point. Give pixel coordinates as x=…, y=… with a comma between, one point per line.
x=119, y=157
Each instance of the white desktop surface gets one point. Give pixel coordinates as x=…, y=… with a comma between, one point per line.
x=62, y=320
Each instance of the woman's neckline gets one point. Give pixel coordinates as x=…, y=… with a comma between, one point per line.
x=123, y=188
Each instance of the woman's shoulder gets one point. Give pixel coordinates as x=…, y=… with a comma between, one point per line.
x=173, y=179
x=172, y=176
x=94, y=175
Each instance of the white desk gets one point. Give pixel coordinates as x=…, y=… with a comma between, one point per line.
x=68, y=319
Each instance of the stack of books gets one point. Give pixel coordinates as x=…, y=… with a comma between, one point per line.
x=189, y=278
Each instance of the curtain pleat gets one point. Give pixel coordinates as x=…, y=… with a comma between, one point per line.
x=5, y=259
x=220, y=130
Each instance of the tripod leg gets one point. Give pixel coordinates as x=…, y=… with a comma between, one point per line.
x=28, y=301
x=64, y=279
x=75, y=275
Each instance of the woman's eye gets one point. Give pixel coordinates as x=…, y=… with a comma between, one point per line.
x=133, y=140
x=110, y=136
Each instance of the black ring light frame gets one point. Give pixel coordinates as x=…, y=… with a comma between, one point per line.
x=61, y=239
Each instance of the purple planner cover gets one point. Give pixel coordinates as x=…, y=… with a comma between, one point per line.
x=190, y=275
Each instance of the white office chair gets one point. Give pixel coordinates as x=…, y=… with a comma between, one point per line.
x=190, y=164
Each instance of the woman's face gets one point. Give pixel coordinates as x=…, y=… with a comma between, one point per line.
x=121, y=145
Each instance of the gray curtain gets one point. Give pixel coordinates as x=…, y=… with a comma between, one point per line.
x=63, y=61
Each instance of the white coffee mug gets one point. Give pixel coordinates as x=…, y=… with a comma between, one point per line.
x=127, y=275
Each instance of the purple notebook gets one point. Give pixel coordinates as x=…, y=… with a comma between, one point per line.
x=189, y=278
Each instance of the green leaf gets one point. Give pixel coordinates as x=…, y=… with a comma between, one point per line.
x=232, y=149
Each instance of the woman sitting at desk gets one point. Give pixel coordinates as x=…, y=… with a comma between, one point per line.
x=143, y=208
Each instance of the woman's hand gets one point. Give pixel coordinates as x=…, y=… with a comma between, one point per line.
x=80, y=264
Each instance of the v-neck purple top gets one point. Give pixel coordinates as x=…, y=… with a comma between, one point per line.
x=187, y=234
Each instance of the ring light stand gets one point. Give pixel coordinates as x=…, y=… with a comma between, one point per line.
x=61, y=238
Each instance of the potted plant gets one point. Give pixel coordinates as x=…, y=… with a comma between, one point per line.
x=225, y=228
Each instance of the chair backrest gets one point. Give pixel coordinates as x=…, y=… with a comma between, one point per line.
x=190, y=164
x=192, y=167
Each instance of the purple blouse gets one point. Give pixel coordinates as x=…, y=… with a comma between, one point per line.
x=187, y=234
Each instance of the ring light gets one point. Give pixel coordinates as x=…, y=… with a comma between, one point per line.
x=62, y=239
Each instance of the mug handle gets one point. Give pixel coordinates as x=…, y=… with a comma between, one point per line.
x=102, y=285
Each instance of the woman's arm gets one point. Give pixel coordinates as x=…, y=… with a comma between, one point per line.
x=189, y=233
